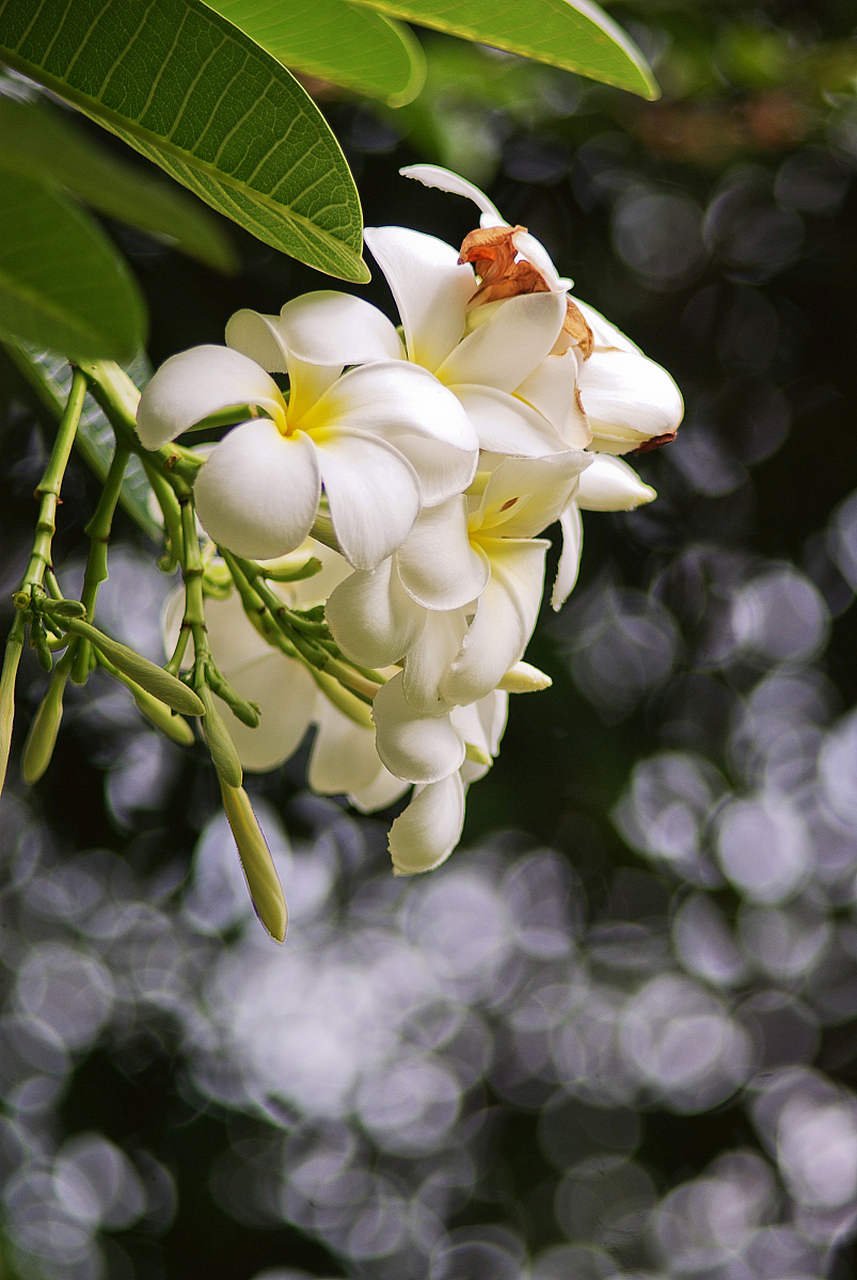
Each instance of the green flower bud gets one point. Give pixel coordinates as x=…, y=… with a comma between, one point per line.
x=159, y=683
x=263, y=882
x=12, y=657
x=222, y=748
x=42, y=737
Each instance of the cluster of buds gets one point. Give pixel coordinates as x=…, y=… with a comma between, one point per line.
x=390, y=506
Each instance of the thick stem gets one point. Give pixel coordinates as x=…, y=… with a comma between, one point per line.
x=98, y=531
x=49, y=486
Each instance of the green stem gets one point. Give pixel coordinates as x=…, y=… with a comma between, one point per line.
x=48, y=490
x=98, y=532
x=192, y=573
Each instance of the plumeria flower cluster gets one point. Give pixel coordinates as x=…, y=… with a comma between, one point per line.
x=420, y=466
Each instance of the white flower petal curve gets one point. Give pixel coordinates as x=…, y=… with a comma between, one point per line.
x=432, y=175
x=569, y=560
x=373, y=619
x=414, y=748
x=481, y=723
x=524, y=495
x=343, y=757
x=430, y=658
x=373, y=492
x=437, y=565
x=537, y=255
x=504, y=620
x=193, y=384
x=425, y=834
x=505, y=424
x=605, y=334
x=609, y=484
x=258, y=492
x=332, y=328
x=408, y=408
x=255, y=335
x=511, y=343
x=430, y=287
x=551, y=390
x=628, y=398
x=380, y=794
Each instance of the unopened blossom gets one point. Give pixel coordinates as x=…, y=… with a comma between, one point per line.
x=380, y=439
x=458, y=602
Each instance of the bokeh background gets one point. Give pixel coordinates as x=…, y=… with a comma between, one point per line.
x=615, y=1036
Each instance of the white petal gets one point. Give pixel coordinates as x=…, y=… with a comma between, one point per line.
x=331, y=328
x=258, y=493
x=373, y=619
x=343, y=757
x=286, y=694
x=606, y=335
x=407, y=407
x=190, y=386
x=505, y=424
x=609, y=484
x=430, y=658
x=430, y=287
x=425, y=834
x=569, y=561
x=524, y=495
x=535, y=253
x=481, y=725
x=432, y=175
x=628, y=399
x=510, y=345
x=504, y=620
x=551, y=390
x=373, y=494
x=414, y=748
x=256, y=336
x=381, y=794
x=436, y=563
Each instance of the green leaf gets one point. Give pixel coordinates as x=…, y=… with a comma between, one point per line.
x=62, y=284
x=198, y=97
x=335, y=41
x=574, y=34
x=37, y=142
x=50, y=377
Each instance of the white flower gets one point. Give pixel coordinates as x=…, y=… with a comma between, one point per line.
x=381, y=439
x=458, y=602
x=628, y=399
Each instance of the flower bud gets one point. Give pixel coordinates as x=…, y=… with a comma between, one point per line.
x=12, y=656
x=524, y=678
x=222, y=748
x=42, y=737
x=174, y=726
x=159, y=683
x=266, y=892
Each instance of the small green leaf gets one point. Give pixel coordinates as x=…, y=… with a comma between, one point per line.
x=335, y=41
x=36, y=141
x=574, y=34
x=175, y=80
x=62, y=284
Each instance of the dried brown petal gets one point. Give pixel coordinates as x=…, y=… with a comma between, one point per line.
x=656, y=442
x=577, y=329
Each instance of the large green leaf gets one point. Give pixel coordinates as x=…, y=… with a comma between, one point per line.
x=62, y=284
x=573, y=34
x=37, y=142
x=335, y=41
x=197, y=96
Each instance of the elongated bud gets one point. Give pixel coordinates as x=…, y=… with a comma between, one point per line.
x=64, y=608
x=40, y=644
x=222, y=748
x=292, y=568
x=42, y=737
x=162, y=718
x=246, y=712
x=347, y=702
x=523, y=678
x=266, y=892
x=476, y=755
x=11, y=658
x=152, y=678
